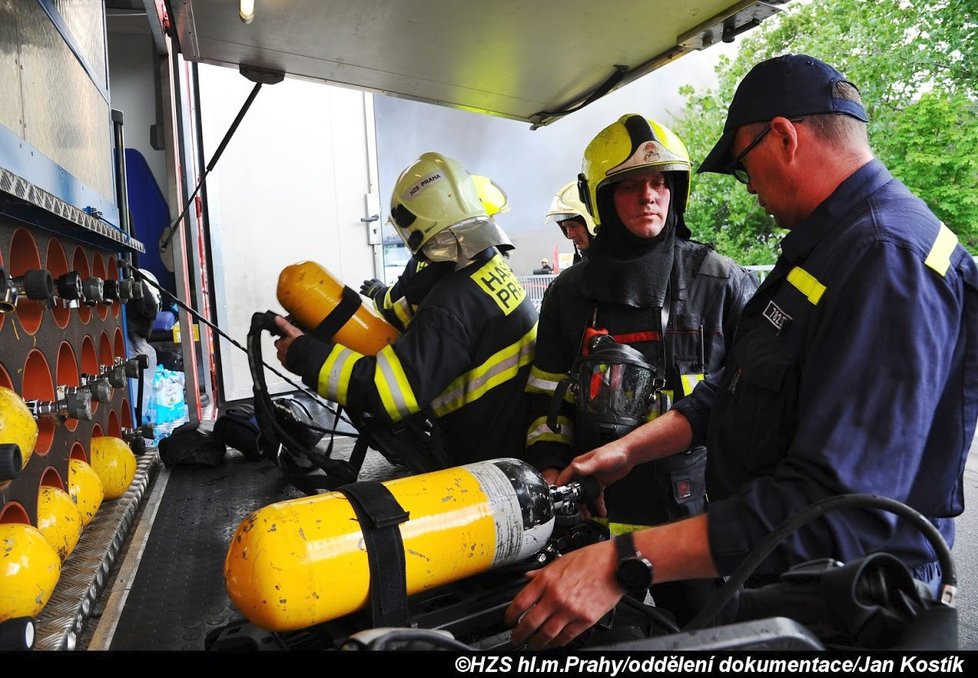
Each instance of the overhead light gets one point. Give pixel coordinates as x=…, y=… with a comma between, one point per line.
x=246, y=10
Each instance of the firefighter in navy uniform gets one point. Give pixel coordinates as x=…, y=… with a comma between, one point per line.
x=648, y=286
x=399, y=302
x=464, y=358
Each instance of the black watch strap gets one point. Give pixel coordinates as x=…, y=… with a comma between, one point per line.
x=625, y=544
x=635, y=572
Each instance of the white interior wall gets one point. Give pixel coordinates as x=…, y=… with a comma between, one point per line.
x=289, y=187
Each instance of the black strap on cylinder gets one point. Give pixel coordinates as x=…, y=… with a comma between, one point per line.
x=380, y=514
x=335, y=319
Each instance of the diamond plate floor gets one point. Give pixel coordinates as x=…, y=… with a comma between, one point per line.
x=178, y=593
x=169, y=592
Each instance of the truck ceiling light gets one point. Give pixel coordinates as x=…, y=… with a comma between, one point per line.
x=246, y=10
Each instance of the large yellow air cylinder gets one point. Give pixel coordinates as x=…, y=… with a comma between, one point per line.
x=59, y=520
x=302, y=562
x=310, y=293
x=29, y=571
x=114, y=463
x=17, y=424
x=85, y=489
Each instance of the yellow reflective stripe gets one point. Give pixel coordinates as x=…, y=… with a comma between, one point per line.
x=392, y=385
x=499, y=368
x=689, y=382
x=387, y=303
x=334, y=375
x=616, y=529
x=404, y=311
x=939, y=257
x=539, y=431
x=807, y=284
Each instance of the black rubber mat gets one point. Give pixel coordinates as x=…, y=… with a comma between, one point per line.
x=178, y=595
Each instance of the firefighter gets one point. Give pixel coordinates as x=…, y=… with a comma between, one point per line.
x=572, y=218
x=853, y=371
x=647, y=285
x=464, y=358
x=399, y=302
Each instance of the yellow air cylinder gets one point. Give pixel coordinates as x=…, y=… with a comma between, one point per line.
x=85, y=489
x=29, y=571
x=114, y=463
x=59, y=520
x=310, y=293
x=17, y=424
x=302, y=562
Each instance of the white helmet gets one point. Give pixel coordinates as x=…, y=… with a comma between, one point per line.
x=567, y=205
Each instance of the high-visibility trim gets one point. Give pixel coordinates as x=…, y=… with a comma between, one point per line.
x=498, y=369
x=404, y=311
x=393, y=387
x=387, y=303
x=544, y=382
x=334, y=375
x=540, y=432
x=807, y=284
x=939, y=257
x=690, y=381
x=617, y=529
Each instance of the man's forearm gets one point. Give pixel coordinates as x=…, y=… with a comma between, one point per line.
x=661, y=437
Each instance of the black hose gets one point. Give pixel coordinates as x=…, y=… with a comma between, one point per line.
x=818, y=509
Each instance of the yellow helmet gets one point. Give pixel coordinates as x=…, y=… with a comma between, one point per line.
x=633, y=143
x=567, y=205
x=431, y=195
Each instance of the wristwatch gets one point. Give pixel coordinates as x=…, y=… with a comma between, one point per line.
x=635, y=571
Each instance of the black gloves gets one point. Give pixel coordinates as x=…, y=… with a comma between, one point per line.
x=373, y=288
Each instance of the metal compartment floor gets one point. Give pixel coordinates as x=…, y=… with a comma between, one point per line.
x=169, y=591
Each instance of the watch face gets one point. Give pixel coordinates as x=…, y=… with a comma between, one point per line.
x=635, y=574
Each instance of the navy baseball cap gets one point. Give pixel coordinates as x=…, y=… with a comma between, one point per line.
x=791, y=86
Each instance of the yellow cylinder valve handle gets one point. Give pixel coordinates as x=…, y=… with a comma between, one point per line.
x=85, y=489
x=29, y=571
x=17, y=424
x=59, y=520
x=301, y=562
x=114, y=463
x=327, y=309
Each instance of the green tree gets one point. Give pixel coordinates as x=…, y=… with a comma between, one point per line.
x=913, y=63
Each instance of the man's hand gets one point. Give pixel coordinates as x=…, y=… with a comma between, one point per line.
x=289, y=333
x=370, y=288
x=550, y=475
x=565, y=598
x=607, y=464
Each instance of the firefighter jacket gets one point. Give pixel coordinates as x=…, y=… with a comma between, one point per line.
x=399, y=303
x=854, y=370
x=706, y=292
x=463, y=362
